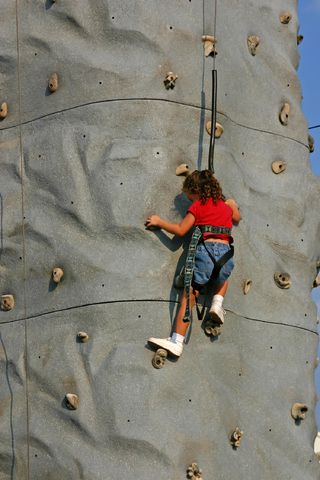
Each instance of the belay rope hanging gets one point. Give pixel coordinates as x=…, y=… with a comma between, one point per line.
x=213, y=97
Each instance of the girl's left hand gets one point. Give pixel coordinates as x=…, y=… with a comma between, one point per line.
x=152, y=221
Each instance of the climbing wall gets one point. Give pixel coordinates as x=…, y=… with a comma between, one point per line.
x=90, y=138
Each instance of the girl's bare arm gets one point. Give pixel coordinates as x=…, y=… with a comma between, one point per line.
x=179, y=229
x=236, y=215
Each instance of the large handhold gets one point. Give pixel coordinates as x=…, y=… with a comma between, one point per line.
x=72, y=401
x=159, y=358
x=53, y=82
x=253, y=42
x=194, y=472
x=218, y=130
x=83, y=337
x=7, y=302
x=298, y=411
x=3, y=110
x=278, y=166
x=284, y=114
x=283, y=280
x=285, y=17
x=170, y=80
x=236, y=438
x=57, y=274
x=183, y=170
x=311, y=143
x=209, y=45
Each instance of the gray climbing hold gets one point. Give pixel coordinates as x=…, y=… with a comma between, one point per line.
x=53, y=82
x=3, y=110
x=253, y=42
x=285, y=17
x=209, y=45
x=7, y=302
x=278, y=166
x=298, y=411
x=311, y=143
x=284, y=113
x=212, y=329
x=170, y=80
x=246, y=286
x=299, y=39
x=183, y=170
x=194, y=472
x=159, y=358
x=72, y=401
x=236, y=437
x=57, y=274
x=218, y=131
x=83, y=337
x=283, y=280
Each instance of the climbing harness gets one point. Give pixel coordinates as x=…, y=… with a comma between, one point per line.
x=189, y=267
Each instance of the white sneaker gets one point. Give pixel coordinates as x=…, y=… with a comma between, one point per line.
x=217, y=313
x=168, y=344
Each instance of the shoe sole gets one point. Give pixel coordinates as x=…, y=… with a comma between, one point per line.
x=157, y=346
x=215, y=318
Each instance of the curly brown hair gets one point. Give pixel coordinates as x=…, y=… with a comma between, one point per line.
x=204, y=184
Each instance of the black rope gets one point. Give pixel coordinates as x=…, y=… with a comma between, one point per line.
x=213, y=121
x=315, y=126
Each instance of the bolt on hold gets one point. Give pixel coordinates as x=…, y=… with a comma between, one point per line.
x=72, y=401
x=7, y=302
x=218, y=130
x=194, y=472
x=183, y=170
x=278, y=166
x=209, y=45
x=285, y=17
x=283, y=280
x=57, y=274
x=53, y=82
x=284, y=113
x=253, y=42
x=3, y=110
x=236, y=438
x=170, y=80
x=298, y=411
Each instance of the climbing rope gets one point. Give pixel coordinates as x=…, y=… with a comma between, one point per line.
x=213, y=98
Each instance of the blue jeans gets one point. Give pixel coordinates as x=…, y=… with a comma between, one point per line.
x=204, y=265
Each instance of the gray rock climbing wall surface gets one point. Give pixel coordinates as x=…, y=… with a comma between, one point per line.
x=81, y=169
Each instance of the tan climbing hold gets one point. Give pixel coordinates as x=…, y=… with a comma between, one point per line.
x=183, y=169
x=53, y=82
x=159, y=358
x=7, y=302
x=298, y=411
x=246, y=286
x=316, y=445
x=316, y=281
x=311, y=143
x=284, y=113
x=283, y=280
x=72, y=401
x=83, y=337
x=170, y=80
x=278, y=166
x=194, y=472
x=218, y=131
x=209, y=45
x=57, y=274
x=3, y=110
x=236, y=437
x=285, y=18
x=253, y=42
x=299, y=39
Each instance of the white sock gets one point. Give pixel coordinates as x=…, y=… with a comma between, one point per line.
x=218, y=300
x=176, y=337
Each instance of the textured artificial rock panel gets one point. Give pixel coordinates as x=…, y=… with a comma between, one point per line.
x=80, y=171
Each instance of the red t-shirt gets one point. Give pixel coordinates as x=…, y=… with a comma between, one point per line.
x=209, y=213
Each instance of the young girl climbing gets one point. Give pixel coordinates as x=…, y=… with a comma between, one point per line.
x=209, y=208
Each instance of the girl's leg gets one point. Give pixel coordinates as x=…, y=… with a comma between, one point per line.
x=180, y=326
x=216, y=311
x=221, y=289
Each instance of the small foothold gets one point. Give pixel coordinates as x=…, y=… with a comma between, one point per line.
x=318, y=265
x=316, y=282
x=284, y=114
x=311, y=143
x=246, y=286
x=83, y=337
x=299, y=39
x=285, y=18
x=159, y=358
x=7, y=302
x=209, y=45
x=57, y=274
x=183, y=169
x=212, y=329
x=278, y=166
x=194, y=472
x=53, y=82
x=72, y=401
x=170, y=80
x=3, y=110
x=253, y=42
x=283, y=280
x=236, y=437
x=298, y=411
x=316, y=445
x=218, y=131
